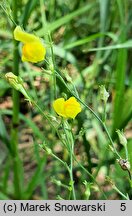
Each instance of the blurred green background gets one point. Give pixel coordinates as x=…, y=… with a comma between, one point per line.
x=92, y=44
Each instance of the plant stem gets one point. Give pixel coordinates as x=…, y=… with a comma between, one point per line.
x=15, y=118
x=126, y=151
x=61, y=161
x=104, y=113
x=118, y=191
x=71, y=151
x=53, y=63
x=45, y=116
x=71, y=171
x=90, y=175
x=60, y=137
x=92, y=111
x=49, y=39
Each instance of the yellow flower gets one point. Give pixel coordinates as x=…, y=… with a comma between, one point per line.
x=33, y=49
x=68, y=109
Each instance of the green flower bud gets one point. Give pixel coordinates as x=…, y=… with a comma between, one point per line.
x=17, y=83
x=122, y=137
x=103, y=93
x=48, y=150
x=14, y=81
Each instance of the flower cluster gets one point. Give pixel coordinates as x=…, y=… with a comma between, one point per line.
x=34, y=51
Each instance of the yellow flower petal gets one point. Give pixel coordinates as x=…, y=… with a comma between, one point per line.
x=33, y=49
x=23, y=36
x=33, y=52
x=58, y=106
x=72, y=107
x=68, y=109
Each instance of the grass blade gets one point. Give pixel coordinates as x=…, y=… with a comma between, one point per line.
x=120, y=75
x=4, y=135
x=36, y=178
x=125, y=45
x=89, y=39
x=66, y=19
x=27, y=11
x=83, y=41
x=104, y=12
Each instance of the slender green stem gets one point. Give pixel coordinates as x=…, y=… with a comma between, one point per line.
x=126, y=151
x=118, y=191
x=15, y=119
x=71, y=171
x=65, y=143
x=48, y=119
x=80, y=165
x=71, y=148
x=104, y=113
x=71, y=176
x=49, y=39
x=61, y=161
x=45, y=116
x=91, y=176
x=92, y=111
x=110, y=139
x=53, y=65
x=43, y=17
x=61, y=138
x=67, y=138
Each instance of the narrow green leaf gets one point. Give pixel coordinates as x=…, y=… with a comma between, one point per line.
x=83, y=41
x=66, y=19
x=35, y=180
x=4, y=135
x=89, y=39
x=125, y=45
x=120, y=75
x=28, y=121
x=27, y=11
x=120, y=86
x=104, y=6
x=127, y=109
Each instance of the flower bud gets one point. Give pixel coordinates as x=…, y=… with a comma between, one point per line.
x=57, y=182
x=103, y=93
x=88, y=189
x=14, y=81
x=17, y=83
x=122, y=137
x=48, y=150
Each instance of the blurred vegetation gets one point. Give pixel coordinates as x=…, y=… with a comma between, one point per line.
x=92, y=44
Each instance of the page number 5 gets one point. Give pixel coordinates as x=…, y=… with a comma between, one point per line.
x=123, y=206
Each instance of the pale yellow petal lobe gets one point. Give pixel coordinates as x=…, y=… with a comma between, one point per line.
x=72, y=107
x=68, y=109
x=58, y=106
x=23, y=36
x=33, y=49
